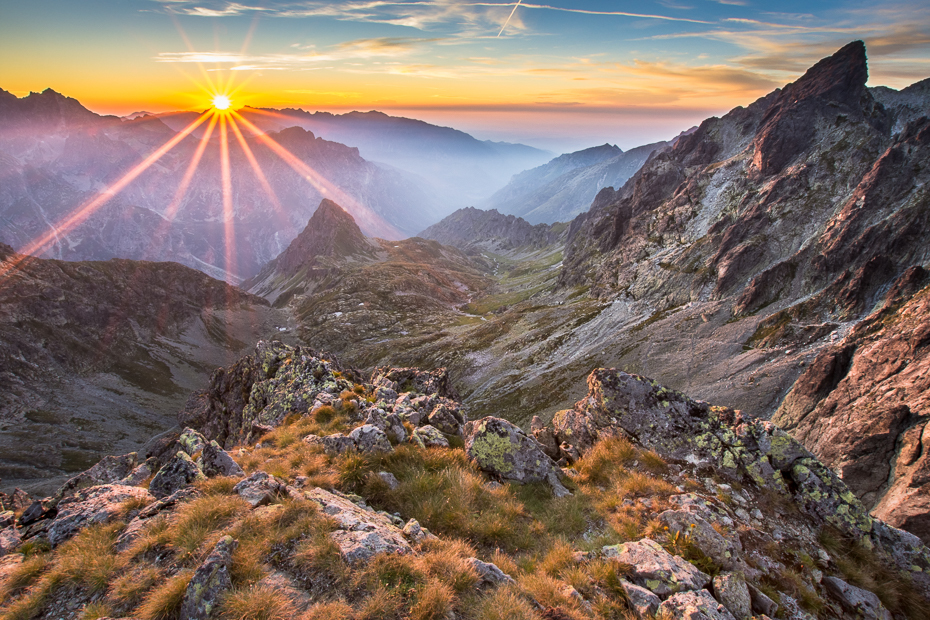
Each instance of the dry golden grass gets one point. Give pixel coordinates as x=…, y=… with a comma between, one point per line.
x=334, y=610
x=504, y=604
x=129, y=588
x=94, y=611
x=197, y=523
x=434, y=601
x=163, y=602
x=257, y=603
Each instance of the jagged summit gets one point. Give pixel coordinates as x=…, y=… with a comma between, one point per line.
x=331, y=232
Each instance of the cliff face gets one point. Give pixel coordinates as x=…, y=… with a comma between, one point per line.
x=863, y=407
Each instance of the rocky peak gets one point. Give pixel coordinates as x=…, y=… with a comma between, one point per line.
x=470, y=228
x=331, y=232
x=840, y=77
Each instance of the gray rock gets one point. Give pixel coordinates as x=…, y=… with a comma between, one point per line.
x=210, y=582
x=761, y=603
x=178, y=472
x=503, y=449
x=725, y=551
x=215, y=461
x=489, y=574
x=98, y=504
x=370, y=439
x=862, y=603
x=414, y=417
x=334, y=444
x=259, y=489
x=385, y=394
x=429, y=437
x=415, y=533
x=10, y=540
x=7, y=518
x=644, y=602
x=361, y=534
x=390, y=423
x=109, y=470
x=141, y=473
x=656, y=569
x=730, y=589
x=447, y=419
x=697, y=605
x=389, y=479
x=191, y=442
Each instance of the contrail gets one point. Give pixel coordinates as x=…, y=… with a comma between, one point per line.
x=508, y=19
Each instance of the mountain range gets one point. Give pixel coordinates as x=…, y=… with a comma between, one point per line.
x=493, y=372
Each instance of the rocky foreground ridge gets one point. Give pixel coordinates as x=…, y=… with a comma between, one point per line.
x=299, y=488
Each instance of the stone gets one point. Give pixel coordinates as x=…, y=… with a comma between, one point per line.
x=38, y=510
x=447, y=419
x=214, y=461
x=142, y=473
x=110, y=469
x=7, y=518
x=210, y=582
x=334, y=444
x=178, y=472
x=97, y=504
x=415, y=533
x=429, y=437
x=644, y=602
x=489, y=574
x=389, y=479
x=370, y=439
x=259, y=489
x=10, y=540
x=761, y=603
x=731, y=590
x=656, y=569
x=361, y=534
x=504, y=450
x=390, y=423
x=697, y=605
x=861, y=603
x=723, y=550
x=191, y=441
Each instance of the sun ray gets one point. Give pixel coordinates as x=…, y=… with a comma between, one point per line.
x=323, y=185
x=263, y=181
x=190, y=48
x=229, y=227
x=191, y=169
x=85, y=211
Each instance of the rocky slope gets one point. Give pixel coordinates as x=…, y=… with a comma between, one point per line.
x=473, y=230
x=355, y=296
x=564, y=187
x=56, y=156
x=96, y=356
x=341, y=497
x=862, y=407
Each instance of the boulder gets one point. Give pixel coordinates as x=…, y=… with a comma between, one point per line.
x=7, y=518
x=178, y=472
x=370, y=439
x=656, y=569
x=10, y=540
x=856, y=601
x=389, y=479
x=214, y=461
x=141, y=473
x=429, y=437
x=390, y=423
x=210, y=582
x=504, y=450
x=698, y=605
x=644, y=602
x=731, y=590
x=110, y=469
x=415, y=533
x=361, y=534
x=334, y=444
x=723, y=550
x=191, y=442
x=259, y=489
x=761, y=603
x=447, y=419
x=98, y=504
x=489, y=574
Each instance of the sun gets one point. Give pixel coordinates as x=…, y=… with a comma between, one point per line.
x=221, y=102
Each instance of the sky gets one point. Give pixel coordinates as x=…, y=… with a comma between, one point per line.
x=562, y=75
